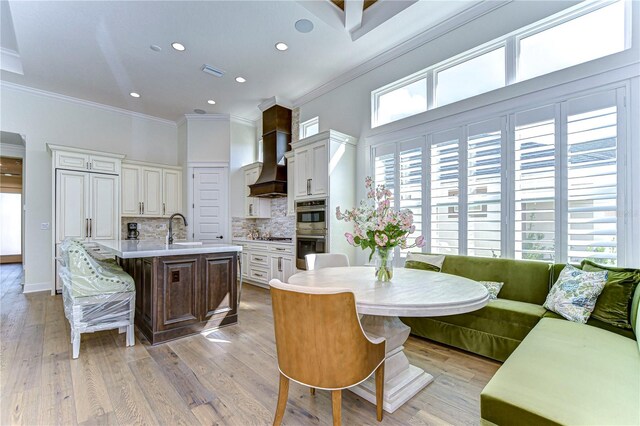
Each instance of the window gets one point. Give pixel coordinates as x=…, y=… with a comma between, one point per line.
x=309, y=128
x=592, y=181
x=550, y=194
x=587, y=31
x=484, y=189
x=471, y=77
x=590, y=36
x=445, y=181
x=535, y=190
x=400, y=101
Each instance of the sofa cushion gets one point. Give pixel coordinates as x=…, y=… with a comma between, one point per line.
x=597, y=323
x=426, y=262
x=566, y=373
x=614, y=303
x=524, y=280
x=493, y=331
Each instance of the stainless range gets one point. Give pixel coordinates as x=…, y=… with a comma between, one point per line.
x=311, y=229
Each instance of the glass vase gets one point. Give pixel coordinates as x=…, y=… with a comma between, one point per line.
x=383, y=261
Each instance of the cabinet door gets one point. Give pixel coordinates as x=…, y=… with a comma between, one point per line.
x=288, y=268
x=151, y=191
x=320, y=171
x=131, y=198
x=303, y=164
x=275, y=268
x=171, y=192
x=104, y=164
x=104, y=217
x=72, y=205
x=245, y=265
x=291, y=185
x=219, y=285
x=71, y=160
x=178, y=292
x=251, y=204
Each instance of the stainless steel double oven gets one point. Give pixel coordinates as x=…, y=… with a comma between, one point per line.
x=311, y=229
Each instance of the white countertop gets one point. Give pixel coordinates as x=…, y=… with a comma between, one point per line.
x=130, y=249
x=248, y=240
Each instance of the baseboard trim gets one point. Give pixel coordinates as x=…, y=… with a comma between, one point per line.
x=35, y=287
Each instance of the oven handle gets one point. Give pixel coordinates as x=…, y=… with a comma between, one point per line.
x=311, y=209
x=311, y=237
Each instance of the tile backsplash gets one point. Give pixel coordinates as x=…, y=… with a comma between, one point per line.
x=154, y=228
x=280, y=225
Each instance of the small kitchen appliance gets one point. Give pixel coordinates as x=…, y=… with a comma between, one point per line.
x=133, y=231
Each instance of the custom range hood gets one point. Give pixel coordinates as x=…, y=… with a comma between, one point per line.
x=276, y=137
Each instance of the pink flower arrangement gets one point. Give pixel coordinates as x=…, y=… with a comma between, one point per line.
x=376, y=224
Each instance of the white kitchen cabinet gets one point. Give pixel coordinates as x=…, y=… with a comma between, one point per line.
x=254, y=207
x=263, y=261
x=82, y=160
x=291, y=183
x=171, y=192
x=86, y=206
x=151, y=190
x=281, y=267
x=311, y=170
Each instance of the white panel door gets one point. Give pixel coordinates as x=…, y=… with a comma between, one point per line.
x=151, y=191
x=210, y=205
x=303, y=164
x=104, y=218
x=131, y=197
x=72, y=205
x=320, y=169
x=172, y=192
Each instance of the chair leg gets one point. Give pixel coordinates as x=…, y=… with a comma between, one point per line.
x=312, y=391
x=76, y=344
x=379, y=390
x=283, y=394
x=131, y=337
x=336, y=403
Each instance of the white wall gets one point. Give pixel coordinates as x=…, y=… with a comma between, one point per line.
x=243, y=151
x=348, y=107
x=43, y=119
x=208, y=139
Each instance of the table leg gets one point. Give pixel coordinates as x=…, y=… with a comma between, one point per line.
x=402, y=380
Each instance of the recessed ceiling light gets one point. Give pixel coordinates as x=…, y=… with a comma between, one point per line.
x=241, y=79
x=155, y=48
x=211, y=102
x=304, y=26
x=281, y=46
x=135, y=94
x=178, y=46
x=199, y=111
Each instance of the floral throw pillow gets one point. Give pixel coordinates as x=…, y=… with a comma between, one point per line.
x=493, y=288
x=426, y=262
x=575, y=293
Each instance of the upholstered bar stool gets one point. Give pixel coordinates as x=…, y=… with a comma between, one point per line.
x=321, y=344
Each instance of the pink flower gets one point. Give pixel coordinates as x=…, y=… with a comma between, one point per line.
x=368, y=181
x=420, y=241
x=349, y=238
x=338, y=214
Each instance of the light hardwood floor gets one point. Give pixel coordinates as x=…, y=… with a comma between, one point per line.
x=229, y=376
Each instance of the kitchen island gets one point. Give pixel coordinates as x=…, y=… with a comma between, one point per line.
x=182, y=288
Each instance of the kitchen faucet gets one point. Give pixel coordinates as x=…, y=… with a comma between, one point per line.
x=170, y=240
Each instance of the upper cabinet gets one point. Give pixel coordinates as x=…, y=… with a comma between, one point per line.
x=254, y=207
x=291, y=183
x=82, y=160
x=151, y=190
x=312, y=158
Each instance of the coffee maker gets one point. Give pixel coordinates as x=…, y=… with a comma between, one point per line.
x=133, y=231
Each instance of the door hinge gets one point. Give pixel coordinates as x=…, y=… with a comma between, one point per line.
x=193, y=235
x=193, y=175
x=193, y=206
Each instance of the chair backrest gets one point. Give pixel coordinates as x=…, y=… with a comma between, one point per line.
x=325, y=260
x=319, y=339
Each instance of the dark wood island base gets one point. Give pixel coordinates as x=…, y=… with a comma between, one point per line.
x=178, y=296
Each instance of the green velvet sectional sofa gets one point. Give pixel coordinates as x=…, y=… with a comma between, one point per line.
x=555, y=371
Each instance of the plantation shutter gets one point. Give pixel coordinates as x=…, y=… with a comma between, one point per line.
x=384, y=168
x=411, y=182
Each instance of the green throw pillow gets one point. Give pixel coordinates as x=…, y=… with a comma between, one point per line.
x=614, y=303
x=575, y=293
x=426, y=262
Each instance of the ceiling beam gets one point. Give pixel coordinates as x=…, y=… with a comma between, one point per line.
x=353, y=10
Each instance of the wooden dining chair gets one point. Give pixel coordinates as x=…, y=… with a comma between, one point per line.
x=321, y=344
x=325, y=260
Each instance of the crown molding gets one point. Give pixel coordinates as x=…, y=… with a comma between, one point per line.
x=275, y=100
x=83, y=102
x=10, y=61
x=242, y=120
x=444, y=27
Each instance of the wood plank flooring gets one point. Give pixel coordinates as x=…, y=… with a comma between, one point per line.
x=227, y=377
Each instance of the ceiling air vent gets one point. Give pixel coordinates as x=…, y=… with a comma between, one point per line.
x=211, y=70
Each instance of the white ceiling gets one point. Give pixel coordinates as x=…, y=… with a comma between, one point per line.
x=99, y=50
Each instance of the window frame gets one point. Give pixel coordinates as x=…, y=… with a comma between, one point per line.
x=305, y=125
x=396, y=85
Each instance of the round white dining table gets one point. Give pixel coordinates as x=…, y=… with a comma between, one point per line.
x=410, y=293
